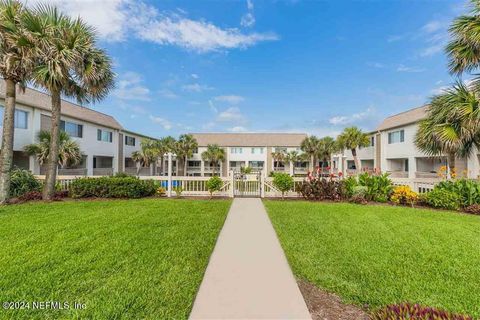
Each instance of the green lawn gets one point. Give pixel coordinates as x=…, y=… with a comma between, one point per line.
x=129, y=259
x=377, y=255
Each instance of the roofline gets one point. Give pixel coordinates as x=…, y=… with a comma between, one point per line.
x=138, y=134
x=262, y=133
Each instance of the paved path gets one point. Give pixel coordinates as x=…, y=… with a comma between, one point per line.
x=248, y=276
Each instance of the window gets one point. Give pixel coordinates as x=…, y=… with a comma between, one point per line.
x=236, y=150
x=20, y=118
x=103, y=135
x=130, y=141
x=257, y=150
x=194, y=163
x=195, y=151
x=73, y=129
x=396, y=136
x=281, y=149
x=372, y=141
x=255, y=164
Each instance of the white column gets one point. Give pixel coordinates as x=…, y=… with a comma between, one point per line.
x=262, y=186
x=202, y=168
x=291, y=167
x=169, y=184
x=232, y=184
x=412, y=167
x=89, y=165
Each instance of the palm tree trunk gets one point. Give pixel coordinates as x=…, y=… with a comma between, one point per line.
x=161, y=165
x=312, y=165
x=293, y=167
x=6, y=158
x=355, y=160
x=52, y=163
x=451, y=164
x=185, y=166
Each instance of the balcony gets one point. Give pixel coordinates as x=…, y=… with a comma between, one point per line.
x=72, y=172
x=427, y=175
x=102, y=171
x=194, y=169
x=398, y=174
x=211, y=169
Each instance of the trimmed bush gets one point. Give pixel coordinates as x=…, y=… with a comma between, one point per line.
x=443, y=198
x=283, y=182
x=23, y=181
x=359, y=195
x=112, y=187
x=408, y=311
x=215, y=183
x=404, y=195
x=467, y=189
x=473, y=209
x=379, y=186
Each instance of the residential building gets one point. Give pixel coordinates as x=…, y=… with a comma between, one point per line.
x=106, y=146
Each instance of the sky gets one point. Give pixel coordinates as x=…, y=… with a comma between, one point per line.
x=268, y=66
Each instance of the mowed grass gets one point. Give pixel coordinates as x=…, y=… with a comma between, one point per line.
x=125, y=259
x=378, y=255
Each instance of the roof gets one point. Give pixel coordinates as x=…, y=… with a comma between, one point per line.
x=403, y=118
x=41, y=100
x=250, y=139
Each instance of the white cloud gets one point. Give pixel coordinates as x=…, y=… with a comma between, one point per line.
x=161, y=121
x=194, y=76
x=196, y=87
x=395, y=38
x=249, y=4
x=129, y=87
x=435, y=33
x=376, y=65
x=403, y=68
x=232, y=99
x=432, y=50
x=196, y=35
x=248, y=20
x=238, y=129
x=167, y=93
x=439, y=90
x=231, y=114
x=432, y=26
x=344, y=120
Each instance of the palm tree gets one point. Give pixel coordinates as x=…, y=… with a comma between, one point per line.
x=292, y=157
x=165, y=145
x=147, y=155
x=277, y=157
x=69, y=150
x=184, y=148
x=70, y=64
x=214, y=155
x=327, y=146
x=353, y=138
x=17, y=54
x=464, y=48
x=309, y=146
x=452, y=125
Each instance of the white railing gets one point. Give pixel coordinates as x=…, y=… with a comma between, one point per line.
x=269, y=190
x=420, y=185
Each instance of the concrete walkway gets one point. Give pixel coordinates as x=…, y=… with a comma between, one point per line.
x=248, y=276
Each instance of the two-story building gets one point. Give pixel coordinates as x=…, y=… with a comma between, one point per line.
x=105, y=144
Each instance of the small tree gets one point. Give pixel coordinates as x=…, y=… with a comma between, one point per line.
x=215, y=183
x=283, y=182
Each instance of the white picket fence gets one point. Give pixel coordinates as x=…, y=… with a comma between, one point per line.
x=197, y=186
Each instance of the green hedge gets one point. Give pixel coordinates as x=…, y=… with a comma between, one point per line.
x=22, y=181
x=112, y=187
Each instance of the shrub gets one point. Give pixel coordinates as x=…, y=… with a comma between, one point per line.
x=379, y=186
x=23, y=181
x=359, y=195
x=30, y=196
x=442, y=198
x=161, y=191
x=112, y=187
x=246, y=170
x=408, y=311
x=473, y=209
x=122, y=175
x=323, y=189
x=404, y=195
x=350, y=184
x=467, y=189
x=283, y=182
x=215, y=183
x=178, y=191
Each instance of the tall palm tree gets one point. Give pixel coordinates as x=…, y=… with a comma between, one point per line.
x=292, y=157
x=464, y=48
x=309, y=146
x=277, y=156
x=452, y=125
x=214, y=155
x=327, y=146
x=184, y=148
x=147, y=155
x=17, y=55
x=69, y=150
x=164, y=145
x=353, y=138
x=71, y=65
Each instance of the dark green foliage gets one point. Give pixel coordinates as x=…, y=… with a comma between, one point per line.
x=408, y=311
x=283, y=182
x=215, y=183
x=23, y=181
x=359, y=195
x=323, y=189
x=442, y=198
x=379, y=186
x=112, y=187
x=350, y=184
x=467, y=189
x=122, y=175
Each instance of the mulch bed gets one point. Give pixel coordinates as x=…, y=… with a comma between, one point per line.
x=327, y=306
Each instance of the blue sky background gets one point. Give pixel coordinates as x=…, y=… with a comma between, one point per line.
x=293, y=66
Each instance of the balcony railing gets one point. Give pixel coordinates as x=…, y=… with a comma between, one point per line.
x=103, y=171
x=217, y=169
x=72, y=172
x=421, y=174
x=194, y=169
x=398, y=174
